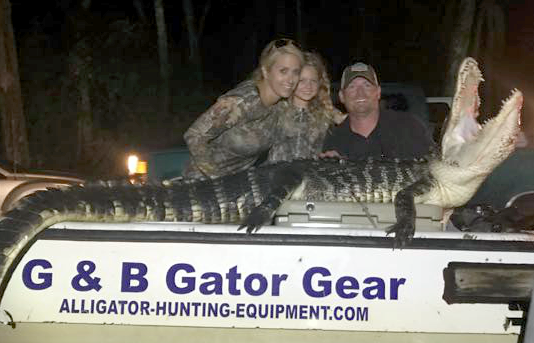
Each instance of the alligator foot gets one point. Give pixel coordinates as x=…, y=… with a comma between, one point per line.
x=286, y=180
x=404, y=228
x=404, y=231
x=258, y=217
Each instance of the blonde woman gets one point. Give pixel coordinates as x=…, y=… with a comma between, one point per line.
x=303, y=125
x=231, y=135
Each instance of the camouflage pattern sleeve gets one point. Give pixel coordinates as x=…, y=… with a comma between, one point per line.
x=221, y=116
x=300, y=134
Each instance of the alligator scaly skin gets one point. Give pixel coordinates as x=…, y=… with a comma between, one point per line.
x=226, y=200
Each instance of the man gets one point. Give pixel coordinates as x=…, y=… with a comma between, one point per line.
x=369, y=131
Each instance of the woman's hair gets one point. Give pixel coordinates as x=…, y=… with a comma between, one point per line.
x=271, y=52
x=321, y=105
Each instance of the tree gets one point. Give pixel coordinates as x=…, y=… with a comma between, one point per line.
x=488, y=47
x=164, y=66
x=81, y=73
x=460, y=40
x=194, y=31
x=478, y=32
x=14, y=135
x=140, y=11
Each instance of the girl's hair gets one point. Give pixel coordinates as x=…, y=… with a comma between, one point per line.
x=271, y=52
x=321, y=105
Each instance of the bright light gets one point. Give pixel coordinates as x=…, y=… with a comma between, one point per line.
x=141, y=167
x=132, y=164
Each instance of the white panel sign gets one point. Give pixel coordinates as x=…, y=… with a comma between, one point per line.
x=267, y=286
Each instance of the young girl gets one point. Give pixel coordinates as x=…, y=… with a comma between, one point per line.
x=303, y=125
x=230, y=136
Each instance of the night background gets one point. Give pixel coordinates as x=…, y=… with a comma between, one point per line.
x=117, y=44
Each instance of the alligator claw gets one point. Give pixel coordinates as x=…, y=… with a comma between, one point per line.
x=258, y=217
x=403, y=231
x=250, y=228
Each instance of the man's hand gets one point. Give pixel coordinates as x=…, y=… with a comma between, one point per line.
x=330, y=154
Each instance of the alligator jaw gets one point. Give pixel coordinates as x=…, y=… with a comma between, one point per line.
x=465, y=141
x=470, y=151
x=461, y=123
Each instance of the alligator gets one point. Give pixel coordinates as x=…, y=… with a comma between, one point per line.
x=448, y=178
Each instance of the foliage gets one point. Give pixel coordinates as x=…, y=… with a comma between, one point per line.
x=125, y=98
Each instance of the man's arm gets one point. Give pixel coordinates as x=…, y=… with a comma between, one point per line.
x=330, y=154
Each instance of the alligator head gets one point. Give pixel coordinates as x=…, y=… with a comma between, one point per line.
x=469, y=150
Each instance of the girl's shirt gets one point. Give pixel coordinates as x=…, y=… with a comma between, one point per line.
x=299, y=134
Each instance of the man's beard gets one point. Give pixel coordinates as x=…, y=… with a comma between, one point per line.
x=363, y=109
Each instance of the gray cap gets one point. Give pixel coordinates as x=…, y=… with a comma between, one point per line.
x=358, y=70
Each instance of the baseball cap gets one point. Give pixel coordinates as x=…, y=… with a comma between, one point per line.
x=358, y=70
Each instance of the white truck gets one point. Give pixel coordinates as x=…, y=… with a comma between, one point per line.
x=322, y=272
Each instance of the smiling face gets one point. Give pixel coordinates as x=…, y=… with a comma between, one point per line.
x=282, y=77
x=360, y=97
x=307, y=88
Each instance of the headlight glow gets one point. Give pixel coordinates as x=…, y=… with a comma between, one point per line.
x=132, y=164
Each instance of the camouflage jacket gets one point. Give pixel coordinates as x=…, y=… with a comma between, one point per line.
x=231, y=134
x=299, y=134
